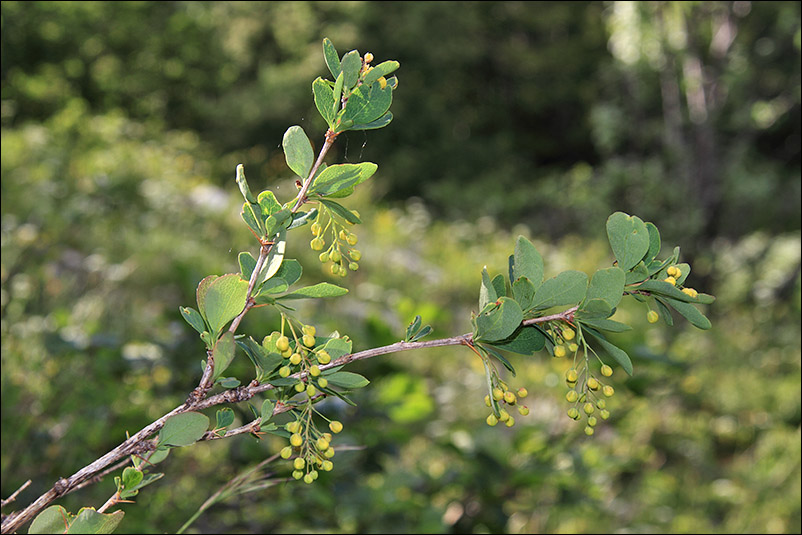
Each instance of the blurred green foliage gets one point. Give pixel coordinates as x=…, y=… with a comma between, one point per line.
x=122, y=123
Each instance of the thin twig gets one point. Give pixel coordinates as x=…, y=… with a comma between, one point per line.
x=14, y=495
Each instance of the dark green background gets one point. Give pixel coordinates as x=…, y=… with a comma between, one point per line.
x=122, y=123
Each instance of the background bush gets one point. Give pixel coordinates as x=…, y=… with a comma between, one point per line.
x=121, y=127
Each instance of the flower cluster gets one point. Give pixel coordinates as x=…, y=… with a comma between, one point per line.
x=341, y=251
x=311, y=447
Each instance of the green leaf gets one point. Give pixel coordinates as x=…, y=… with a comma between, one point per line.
x=148, y=479
x=322, y=289
x=267, y=411
x=654, y=243
x=268, y=203
x=90, y=521
x=223, y=354
x=666, y=289
x=637, y=274
x=629, y=239
x=690, y=312
x=290, y=271
x=499, y=285
x=341, y=176
x=228, y=382
x=324, y=100
x=527, y=262
x=499, y=322
x=51, y=520
x=498, y=356
x=298, y=151
x=132, y=477
x=421, y=333
x=347, y=380
x=224, y=418
x=382, y=69
x=567, y=288
x=331, y=57
x=685, y=269
x=604, y=324
x=225, y=298
x=246, y=264
x=367, y=104
x=526, y=340
x=665, y=312
x=487, y=292
x=274, y=258
x=200, y=293
x=524, y=293
x=278, y=222
x=302, y=218
x=337, y=347
x=607, y=284
x=617, y=353
x=183, y=429
x=350, y=66
x=412, y=328
x=381, y=122
x=338, y=93
x=341, y=211
x=265, y=358
x=243, y=184
x=193, y=317
x=594, y=308
x=251, y=218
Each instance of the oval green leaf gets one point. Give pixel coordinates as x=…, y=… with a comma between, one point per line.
x=225, y=298
x=183, y=429
x=629, y=239
x=298, y=151
x=567, y=288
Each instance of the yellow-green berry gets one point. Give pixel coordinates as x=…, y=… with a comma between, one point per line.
x=671, y=280
x=571, y=396
x=589, y=430
x=283, y=343
x=311, y=390
x=608, y=390
x=572, y=347
x=314, y=370
x=286, y=452
x=335, y=256
x=503, y=415
x=491, y=420
x=309, y=329
x=284, y=371
x=324, y=257
x=353, y=266
x=309, y=479
x=604, y=413
x=335, y=426
x=592, y=421
x=497, y=394
x=510, y=422
x=559, y=351
x=329, y=453
x=573, y=413
x=571, y=375
x=326, y=466
x=316, y=228
x=522, y=392
x=298, y=463
x=356, y=256
x=606, y=370
x=593, y=383
x=352, y=239
x=317, y=244
x=309, y=340
x=297, y=474
x=300, y=386
x=588, y=408
x=523, y=410
x=295, y=358
x=509, y=397
x=487, y=400
x=690, y=292
x=323, y=357
x=323, y=382
x=568, y=334
x=600, y=404
x=335, y=269
x=296, y=439
x=652, y=316
x=322, y=444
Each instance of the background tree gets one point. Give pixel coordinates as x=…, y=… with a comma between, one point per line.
x=689, y=112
